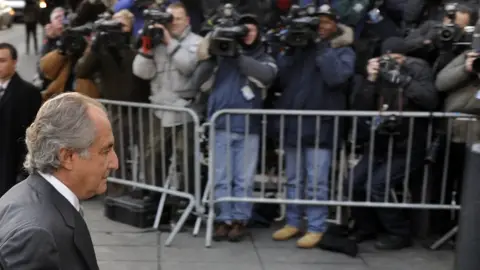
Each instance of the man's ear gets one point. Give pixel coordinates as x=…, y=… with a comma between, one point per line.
x=66, y=157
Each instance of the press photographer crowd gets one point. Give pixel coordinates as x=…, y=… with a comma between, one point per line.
x=283, y=55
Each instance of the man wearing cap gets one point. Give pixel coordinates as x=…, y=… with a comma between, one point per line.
x=394, y=83
x=313, y=77
x=238, y=84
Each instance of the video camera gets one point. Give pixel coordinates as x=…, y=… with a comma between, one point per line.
x=155, y=16
x=226, y=33
x=106, y=31
x=299, y=28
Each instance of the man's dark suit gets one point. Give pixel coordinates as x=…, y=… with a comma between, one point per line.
x=41, y=230
x=18, y=108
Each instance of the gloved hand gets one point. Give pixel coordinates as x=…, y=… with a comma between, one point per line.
x=146, y=44
x=97, y=43
x=62, y=45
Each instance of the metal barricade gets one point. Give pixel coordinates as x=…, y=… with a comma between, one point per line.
x=158, y=155
x=398, y=142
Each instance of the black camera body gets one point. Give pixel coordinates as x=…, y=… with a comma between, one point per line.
x=226, y=32
x=298, y=29
x=108, y=33
x=73, y=41
x=224, y=40
x=389, y=69
x=155, y=16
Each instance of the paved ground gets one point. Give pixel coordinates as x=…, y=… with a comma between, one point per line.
x=121, y=247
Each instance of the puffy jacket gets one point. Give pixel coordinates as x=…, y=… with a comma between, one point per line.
x=169, y=70
x=255, y=70
x=314, y=78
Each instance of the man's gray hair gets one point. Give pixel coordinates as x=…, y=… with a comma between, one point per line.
x=61, y=122
x=56, y=10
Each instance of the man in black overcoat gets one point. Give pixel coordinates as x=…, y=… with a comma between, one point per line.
x=19, y=103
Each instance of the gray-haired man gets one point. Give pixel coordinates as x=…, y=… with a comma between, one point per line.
x=70, y=155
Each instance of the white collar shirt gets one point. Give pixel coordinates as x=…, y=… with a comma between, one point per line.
x=3, y=87
x=62, y=189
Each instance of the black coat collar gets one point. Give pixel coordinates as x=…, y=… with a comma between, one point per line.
x=71, y=217
x=14, y=83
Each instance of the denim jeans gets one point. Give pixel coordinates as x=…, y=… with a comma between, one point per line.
x=312, y=166
x=235, y=166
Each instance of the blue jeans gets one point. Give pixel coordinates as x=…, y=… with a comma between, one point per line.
x=313, y=167
x=235, y=166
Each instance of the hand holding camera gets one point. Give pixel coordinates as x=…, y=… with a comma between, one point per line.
x=372, y=69
x=469, y=61
x=167, y=38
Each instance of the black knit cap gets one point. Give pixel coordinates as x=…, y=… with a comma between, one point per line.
x=394, y=45
x=248, y=19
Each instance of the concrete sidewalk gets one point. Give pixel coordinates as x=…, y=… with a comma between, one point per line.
x=121, y=247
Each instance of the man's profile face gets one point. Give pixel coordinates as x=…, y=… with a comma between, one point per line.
x=91, y=173
x=57, y=20
x=7, y=64
x=180, y=21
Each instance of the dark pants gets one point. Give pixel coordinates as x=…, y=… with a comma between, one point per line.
x=161, y=144
x=31, y=29
x=370, y=219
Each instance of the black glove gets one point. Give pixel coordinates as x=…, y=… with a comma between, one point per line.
x=62, y=45
x=97, y=43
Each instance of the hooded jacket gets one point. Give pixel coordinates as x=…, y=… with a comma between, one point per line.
x=314, y=78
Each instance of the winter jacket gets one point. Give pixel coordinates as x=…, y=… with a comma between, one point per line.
x=419, y=94
x=462, y=90
x=169, y=69
x=115, y=78
x=238, y=84
x=314, y=78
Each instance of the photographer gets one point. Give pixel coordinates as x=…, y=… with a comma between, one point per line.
x=58, y=65
x=244, y=71
x=395, y=83
x=435, y=43
x=113, y=62
x=168, y=60
x=313, y=77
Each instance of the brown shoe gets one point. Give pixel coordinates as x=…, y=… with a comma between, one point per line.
x=238, y=232
x=221, y=232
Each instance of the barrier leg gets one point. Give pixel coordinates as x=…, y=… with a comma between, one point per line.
x=198, y=222
x=468, y=243
x=181, y=221
x=209, y=233
x=161, y=205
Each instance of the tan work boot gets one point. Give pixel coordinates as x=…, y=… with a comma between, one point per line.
x=309, y=240
x=285, y=233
